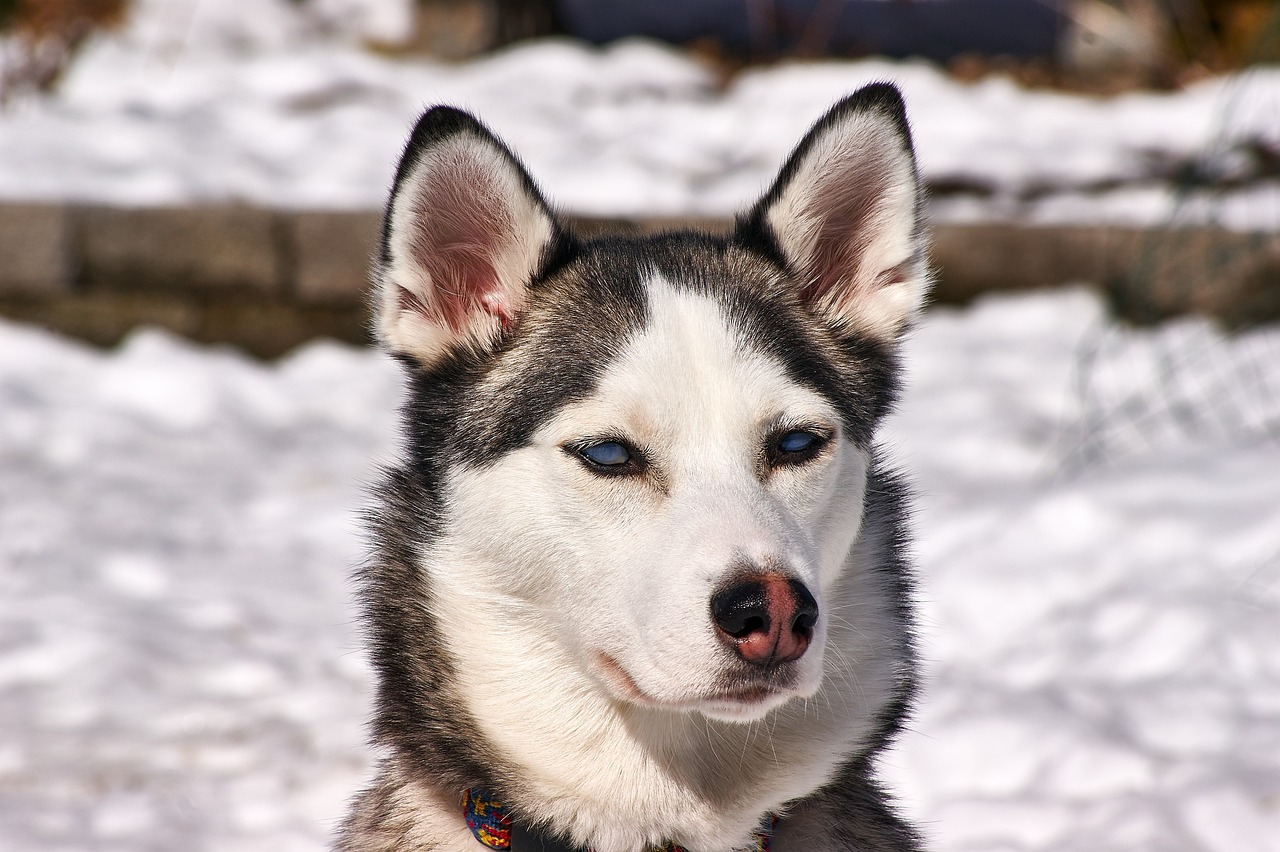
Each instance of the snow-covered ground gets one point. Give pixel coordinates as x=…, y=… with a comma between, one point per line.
x=281, y=103
x=179, y=668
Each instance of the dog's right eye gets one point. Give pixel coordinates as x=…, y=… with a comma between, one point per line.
x=608, y=454
x=612, y=457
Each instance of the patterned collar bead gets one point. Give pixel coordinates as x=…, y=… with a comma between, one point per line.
x=490, y=823
x=488, y=820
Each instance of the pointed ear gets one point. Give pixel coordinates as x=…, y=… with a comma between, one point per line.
x=844, y=212
x=465, y=232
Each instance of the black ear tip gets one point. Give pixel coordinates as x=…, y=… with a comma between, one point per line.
x=882, y=97
x=879, y=97
x=434, y=126
x=441, y=122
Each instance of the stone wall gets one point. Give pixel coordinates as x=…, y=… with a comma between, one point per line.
x=269, y=280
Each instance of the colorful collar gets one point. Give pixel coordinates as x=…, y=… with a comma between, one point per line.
x=490, y=822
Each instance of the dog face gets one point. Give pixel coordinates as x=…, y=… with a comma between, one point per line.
x=650, y=456
x=695, y=486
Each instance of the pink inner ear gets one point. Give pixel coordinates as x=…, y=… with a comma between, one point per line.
x=460, y=223
x=843, y=206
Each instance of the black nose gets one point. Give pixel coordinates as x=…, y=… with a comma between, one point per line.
x=806, y=615
x=766, y=618
x=741, y=609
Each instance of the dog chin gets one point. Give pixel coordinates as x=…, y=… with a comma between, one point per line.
x=742, y=710
x=741, y=704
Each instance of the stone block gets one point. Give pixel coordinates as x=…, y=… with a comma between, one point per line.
x=333, y=254
x=974, y=259
x=201, y=248
x=270, y=328
x=35, y=249
x=1233, y=275
x=454, y=29
x=104, y=317
x=1148, y=274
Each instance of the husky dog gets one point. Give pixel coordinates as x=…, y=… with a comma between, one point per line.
x=639, y=582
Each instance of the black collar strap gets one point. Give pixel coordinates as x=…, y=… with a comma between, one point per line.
x=490, y=822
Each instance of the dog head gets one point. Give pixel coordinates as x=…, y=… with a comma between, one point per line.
x=649, y=455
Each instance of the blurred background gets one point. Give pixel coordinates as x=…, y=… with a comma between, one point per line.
x=190, y=194
x=244, y=146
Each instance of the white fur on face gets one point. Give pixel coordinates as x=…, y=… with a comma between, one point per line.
x=702, y=406
x=546, y=566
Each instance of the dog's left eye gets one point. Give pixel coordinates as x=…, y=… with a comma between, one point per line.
x=795, y=446
x=797, y=442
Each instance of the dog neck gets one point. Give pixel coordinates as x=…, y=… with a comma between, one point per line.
x=492, y=825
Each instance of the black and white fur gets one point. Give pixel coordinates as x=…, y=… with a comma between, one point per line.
x=541, y=628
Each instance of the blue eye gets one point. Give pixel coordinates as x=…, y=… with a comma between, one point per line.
x=607, y=454
x=794, y=447
x=798, y=442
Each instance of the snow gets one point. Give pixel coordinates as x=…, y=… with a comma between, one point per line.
x=285, y=105
x=1101, y=625
x=1100, y=586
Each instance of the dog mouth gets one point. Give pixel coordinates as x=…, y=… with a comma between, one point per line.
x=745, y=695
x=733, y=697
